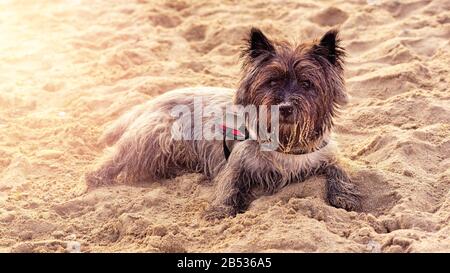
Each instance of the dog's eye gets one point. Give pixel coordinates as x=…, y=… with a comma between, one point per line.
x=305, y=84
x=273, y=83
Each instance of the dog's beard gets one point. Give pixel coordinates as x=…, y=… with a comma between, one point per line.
x=298, y=137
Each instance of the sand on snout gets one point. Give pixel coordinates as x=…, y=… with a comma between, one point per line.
x=69, y=68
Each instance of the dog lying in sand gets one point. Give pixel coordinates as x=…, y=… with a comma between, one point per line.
x=305, y=82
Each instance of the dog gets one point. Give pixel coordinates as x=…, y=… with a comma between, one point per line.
x=305, y=81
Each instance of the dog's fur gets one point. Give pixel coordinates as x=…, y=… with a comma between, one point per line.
x=307, y=77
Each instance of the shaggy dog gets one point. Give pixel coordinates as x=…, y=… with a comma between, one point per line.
x=304, y=81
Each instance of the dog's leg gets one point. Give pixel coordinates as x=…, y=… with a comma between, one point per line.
x=341, y=192
x=232, y=194
x=107, y=172
x=233, y=188
x=145, y=151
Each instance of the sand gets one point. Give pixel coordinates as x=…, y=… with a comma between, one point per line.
x=69, y=68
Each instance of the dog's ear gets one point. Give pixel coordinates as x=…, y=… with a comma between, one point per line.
x=257, y=44
x=329, y=48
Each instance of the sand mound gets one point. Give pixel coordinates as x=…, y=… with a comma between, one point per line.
x=71, y=67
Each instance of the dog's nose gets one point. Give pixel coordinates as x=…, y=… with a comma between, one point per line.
x=286, y=110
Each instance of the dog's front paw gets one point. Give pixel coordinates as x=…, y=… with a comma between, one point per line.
x=217, y=212
x=349, y=200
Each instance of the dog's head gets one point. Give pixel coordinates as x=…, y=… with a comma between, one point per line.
x=305, y=81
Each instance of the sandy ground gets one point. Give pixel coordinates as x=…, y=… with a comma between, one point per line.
x=68, y=68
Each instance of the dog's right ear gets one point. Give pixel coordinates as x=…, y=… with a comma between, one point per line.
x=329, y=47
x=258, y=44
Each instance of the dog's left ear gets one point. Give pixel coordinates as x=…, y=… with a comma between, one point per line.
x=329, y=47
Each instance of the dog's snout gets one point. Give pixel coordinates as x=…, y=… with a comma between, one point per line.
x=286, y=110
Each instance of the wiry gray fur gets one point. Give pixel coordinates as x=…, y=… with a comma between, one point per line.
x=142, y=147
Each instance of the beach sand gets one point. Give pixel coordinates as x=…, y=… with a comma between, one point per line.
x=69, y=68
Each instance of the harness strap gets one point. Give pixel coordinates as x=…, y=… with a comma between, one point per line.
x=226, y=151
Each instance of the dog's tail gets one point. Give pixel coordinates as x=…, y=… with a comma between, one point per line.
x=115, y=130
